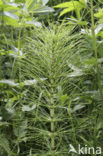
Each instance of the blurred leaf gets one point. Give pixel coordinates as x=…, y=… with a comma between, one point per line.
x=5, y=144
x=9, y=82
x=43, y=9
x=45, y=2
x=9, y=14
x=99, y=14
x=91, y=61
x=78, y=107
x=70, y=6
x=27, y=108
x=98, y=28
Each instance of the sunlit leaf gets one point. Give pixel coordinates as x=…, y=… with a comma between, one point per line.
x=9, y=14
x=43, y=9
x=99, y=14
x=70, y=6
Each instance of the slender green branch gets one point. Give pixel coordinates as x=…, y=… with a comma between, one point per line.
x=19, y=47
x=52, y=124
x=52, y=104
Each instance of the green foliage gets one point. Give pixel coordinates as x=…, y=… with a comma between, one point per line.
x=50, y=76
x=72, y=6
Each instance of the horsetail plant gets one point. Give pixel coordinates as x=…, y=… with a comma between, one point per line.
x=49, y=63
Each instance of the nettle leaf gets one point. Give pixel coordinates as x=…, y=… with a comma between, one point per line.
x=38, y=6
x=70, y=6
x=8, y=7
x=99, y=14
x=64, y=5
x=66, y=11
x=43, y=9
x=32, y=4
x=11, y=15
x=10, y=21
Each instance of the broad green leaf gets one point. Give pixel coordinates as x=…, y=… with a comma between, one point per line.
x=9, y=14
x=99, y=14
x=65, y=5
x=100, y=34
x=66, y=11
x=8, y=7
x=43, y=9
x=70, y=6
x=32, y=4
x=1, y=2
x=10, y=21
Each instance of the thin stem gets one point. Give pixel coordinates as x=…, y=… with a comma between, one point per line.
x=52, y=111
x=52, y=123
x=19, y=47
x=72, y=124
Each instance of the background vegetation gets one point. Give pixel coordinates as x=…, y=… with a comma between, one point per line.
x=51, y=76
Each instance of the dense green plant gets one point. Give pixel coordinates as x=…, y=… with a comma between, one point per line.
x=51, y=78
x=51, y=66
